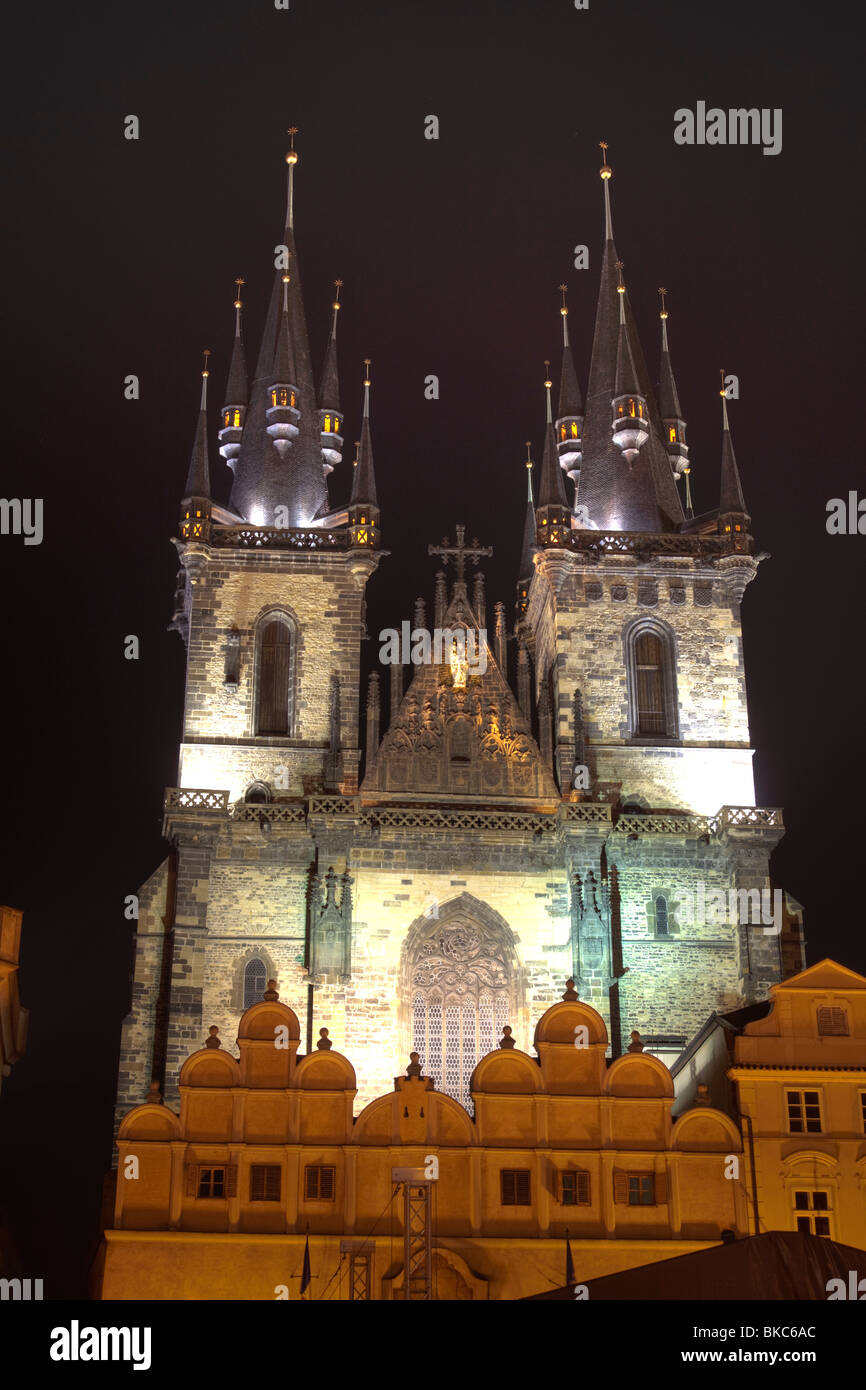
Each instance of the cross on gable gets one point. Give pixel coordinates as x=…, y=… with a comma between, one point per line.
x=460, y=552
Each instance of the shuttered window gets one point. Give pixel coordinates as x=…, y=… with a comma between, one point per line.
x=275, y=652
x=649, y=673
x=574, y=1189
x=319, y=1183
x=832, y=1022
x=516, y=1187
x=265, y=1182
x=639, y=1189
x=211, y=1180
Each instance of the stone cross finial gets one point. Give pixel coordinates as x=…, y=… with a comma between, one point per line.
x=460, y=552
x=506, y=1039
x=212, y=1040
x=324, y=1041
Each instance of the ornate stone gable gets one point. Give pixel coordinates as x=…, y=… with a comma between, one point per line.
x=461, y=740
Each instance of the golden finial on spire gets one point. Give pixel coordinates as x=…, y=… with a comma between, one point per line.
x=367, y=364
x=723, y=392
x=548, y=383
x=338, y=285
x=620, y=267
x=664, y=312
x=357, y=447
x=563, y=291
x=605, y=170
x=205, y=371
x=239, y=304
x=292, y=157
x=529, y=463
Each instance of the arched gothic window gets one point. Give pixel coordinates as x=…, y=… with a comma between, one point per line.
x=462, y=997
x=661, y=915
x=275, y=670
x=652, y=682
x=255, y=980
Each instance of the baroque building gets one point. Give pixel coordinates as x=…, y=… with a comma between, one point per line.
x=555, y=809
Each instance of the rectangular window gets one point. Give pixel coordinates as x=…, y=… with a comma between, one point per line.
x=804, y=1112
x=810, y=1212
x=641, y=1190
x=832, y=1023
x=574, y=1189
x=265, y=1182
x=516, y=1187
x=319, y=1183
x=211, y=1182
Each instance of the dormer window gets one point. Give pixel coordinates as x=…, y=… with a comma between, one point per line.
x=281, y=395
x=562, y=431
x=672, y=434
x=574, y=429
x=327, y=424
x=631, y=407
x=237, y=419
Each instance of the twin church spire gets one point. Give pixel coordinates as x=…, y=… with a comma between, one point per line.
x=281, y=434
x=625, y=450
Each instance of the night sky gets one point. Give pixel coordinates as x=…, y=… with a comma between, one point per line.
x=120, y=258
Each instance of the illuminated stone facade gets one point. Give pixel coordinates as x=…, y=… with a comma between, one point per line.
x=422, y=885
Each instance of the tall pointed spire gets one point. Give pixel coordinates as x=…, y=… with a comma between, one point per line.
x=569, y=420
x=528, y=546
x=553, y=517
x=733, y=517
x=198, y=475
x=196, y=506
x=233, y=414
x=642, y=497
x=363, y=505
x=330, y=415
x=669, y=401
x=630, y=422
x=280, y=470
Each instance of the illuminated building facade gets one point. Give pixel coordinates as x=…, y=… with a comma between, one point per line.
x=427, y=885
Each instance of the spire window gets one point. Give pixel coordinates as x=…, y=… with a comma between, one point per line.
x=672, y=434
x=327, y=424
x=574, y=429
x=281, y=395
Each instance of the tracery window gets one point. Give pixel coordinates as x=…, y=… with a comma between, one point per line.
x=461, y=1001
x=255, y=980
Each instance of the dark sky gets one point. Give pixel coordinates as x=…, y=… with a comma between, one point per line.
x=120, y=258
